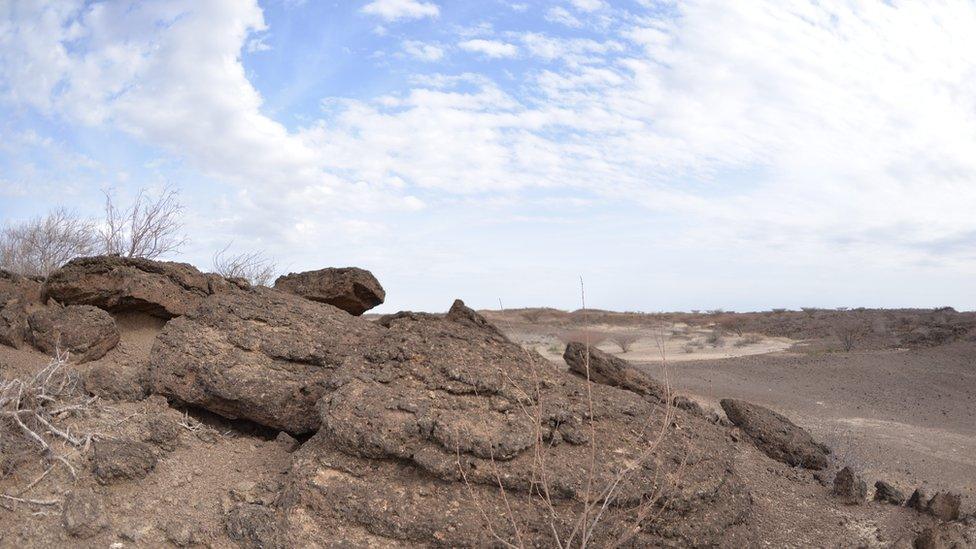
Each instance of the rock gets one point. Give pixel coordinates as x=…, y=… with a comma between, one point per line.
x=159, y=288
x=849, y=488
x=253, y=527
x=117, y=460
x=81, y=514
x=118, y=380
x=609, y=370
x=918, y=500
x=406, y=443
x=351, y=289
x=287, y=442
x=260, y=355
x=778, y=437
x=87, y=333
x=163, y=431
x=17, y=295
x=887, y=493
x=941, y=536
x=944, y=505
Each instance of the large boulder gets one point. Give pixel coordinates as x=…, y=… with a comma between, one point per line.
x=17, y=295
x=606, y=369
x=86, y=332
x=414, y=451
x=261, y=355
x=351, y=289
x=160, y=288
x=849, y=487
x=777, y=436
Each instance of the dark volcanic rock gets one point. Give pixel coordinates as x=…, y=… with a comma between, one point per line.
x=607, y=369
x=944, y=505
x=159, y=288
x=253, y=526
x=778, y=437
x=351, y=289
x=918, y=500
x=887, y=493
x=942, y=536
x=117, y=460
x=17, y=294
x=87, y=332
x=405, y=445
x=261, y=355
x=849, y=487
x=81, y=514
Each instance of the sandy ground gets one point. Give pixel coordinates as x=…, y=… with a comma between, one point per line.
x=679, y=343
x=906, y=416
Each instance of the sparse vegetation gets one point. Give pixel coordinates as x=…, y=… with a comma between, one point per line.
x=586, y=336
x=41, y=245
x=148, y=228
x=254, y=267
x=716, y=337
x=850, y=332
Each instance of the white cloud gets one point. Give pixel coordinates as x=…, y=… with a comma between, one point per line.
x=588, y=5
x=393, y=10
x=559, y=14
x=491, y=48
x=423, y=51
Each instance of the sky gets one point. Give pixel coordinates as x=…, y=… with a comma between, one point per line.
x=674, y=155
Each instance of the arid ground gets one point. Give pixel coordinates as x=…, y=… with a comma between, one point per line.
x=906, y=413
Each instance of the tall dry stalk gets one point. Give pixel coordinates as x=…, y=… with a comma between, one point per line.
x=597, y=499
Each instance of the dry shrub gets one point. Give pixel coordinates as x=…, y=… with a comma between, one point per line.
x=625, y=340
x=148, y=228
x=749, y=339
x=251, y=266
x=716, y=338
x=850, y=332
x=39, y=246
x=31, y=413
x=532, y=315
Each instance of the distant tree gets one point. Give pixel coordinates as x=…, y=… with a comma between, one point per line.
x=625, y=340
x=39, y=246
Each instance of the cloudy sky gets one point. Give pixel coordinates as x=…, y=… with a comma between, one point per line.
x=691, y=154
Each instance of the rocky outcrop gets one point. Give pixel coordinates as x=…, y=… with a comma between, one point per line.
x=407, y=444
x=261, y=355
x=17, y=294
x=887, y=493
x=777, y=436
x=159, y=288
x=351, y=289
x=849, y=487
x=86, y=332
x=607, y=369
x=944, y=505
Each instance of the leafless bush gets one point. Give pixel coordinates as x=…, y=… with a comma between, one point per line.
x=251, y=266
x=151, y=226
x=733, y=324
x=625, y=340
x=716, y=338
x=41, y=245
x=31, y=411
x=749, y=339
x=850, y=332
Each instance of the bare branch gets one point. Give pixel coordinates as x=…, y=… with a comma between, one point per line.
x=39, y=246
x=251, y=266
x=149, y=228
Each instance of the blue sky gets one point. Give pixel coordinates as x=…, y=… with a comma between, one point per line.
x=691, y=154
